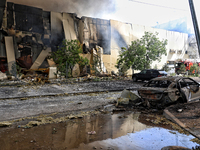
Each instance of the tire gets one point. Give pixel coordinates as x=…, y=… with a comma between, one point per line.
x=134, y=79
x=165, y=101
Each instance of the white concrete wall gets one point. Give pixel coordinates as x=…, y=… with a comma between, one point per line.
x=130, y=32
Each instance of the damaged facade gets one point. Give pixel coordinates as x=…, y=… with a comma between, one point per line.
x=28, y=34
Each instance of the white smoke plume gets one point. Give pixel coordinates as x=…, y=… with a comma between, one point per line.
x=89, y=8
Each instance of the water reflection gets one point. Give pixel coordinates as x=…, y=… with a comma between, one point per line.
x=148, y=139
x=119, y=131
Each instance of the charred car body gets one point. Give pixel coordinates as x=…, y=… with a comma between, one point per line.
x=162, y=91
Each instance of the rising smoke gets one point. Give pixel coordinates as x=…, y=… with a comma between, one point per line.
x=121, y=10
x=89, y=8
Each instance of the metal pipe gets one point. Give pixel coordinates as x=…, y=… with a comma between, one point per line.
x=195, y=24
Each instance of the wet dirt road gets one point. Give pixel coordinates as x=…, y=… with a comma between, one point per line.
x=118, y=131
x=113, y=131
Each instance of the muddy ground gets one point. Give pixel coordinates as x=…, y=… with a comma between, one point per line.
x=35, y=118
x=108, y=128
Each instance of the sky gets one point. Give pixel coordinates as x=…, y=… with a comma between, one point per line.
x=143, y=12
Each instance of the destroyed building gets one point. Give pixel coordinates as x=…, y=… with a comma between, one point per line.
x=28, y=34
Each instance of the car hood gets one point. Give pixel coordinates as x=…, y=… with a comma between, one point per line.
x=151, y=93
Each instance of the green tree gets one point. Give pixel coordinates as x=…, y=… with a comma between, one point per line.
x=141, y=53
x=131, y=57
x=155, y=48
x=67, y=56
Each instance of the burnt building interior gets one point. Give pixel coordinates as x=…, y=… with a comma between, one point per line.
x=28, y=34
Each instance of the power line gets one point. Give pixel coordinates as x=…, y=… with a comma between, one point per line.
x=157, y=5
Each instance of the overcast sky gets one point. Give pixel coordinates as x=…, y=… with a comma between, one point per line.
x=143, y=12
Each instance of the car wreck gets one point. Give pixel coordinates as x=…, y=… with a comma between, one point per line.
x=162, y=91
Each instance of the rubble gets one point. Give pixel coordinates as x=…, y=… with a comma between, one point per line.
x=128, y=98
x=91, y=132
x=5, y=124
x=175, y=148
x=122, y=101
x=3, y=76
x=130, y=95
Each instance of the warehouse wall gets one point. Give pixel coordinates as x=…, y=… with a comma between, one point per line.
x=123, y=33
x=35, y=30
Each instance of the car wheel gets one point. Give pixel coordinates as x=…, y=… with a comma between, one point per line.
x=165, y=101
x=134, y=79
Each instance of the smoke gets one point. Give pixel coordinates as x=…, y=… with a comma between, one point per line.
x=179, y=25
x=121, y=10
x=89, y=8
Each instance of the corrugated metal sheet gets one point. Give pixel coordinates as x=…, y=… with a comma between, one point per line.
x=57, y=31
x=2, y=3
x=2, y=7
x=1, y=16
x=29, y=18
x=2, y=46
x=10, y=17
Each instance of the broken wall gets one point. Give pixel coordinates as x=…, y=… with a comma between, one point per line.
x=94, y=32
x=69, y=27
x=57, y=34
x=121, y=36
x=2, y=8
x=31, y=31
x=3, y=60
x=34, y=31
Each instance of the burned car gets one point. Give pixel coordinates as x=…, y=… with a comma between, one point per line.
x=162, y=91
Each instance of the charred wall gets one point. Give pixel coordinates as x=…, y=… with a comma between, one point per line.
x=34, y=30
x=2, y=7
x=97, y=32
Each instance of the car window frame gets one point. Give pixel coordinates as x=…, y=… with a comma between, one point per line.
x=143, y=71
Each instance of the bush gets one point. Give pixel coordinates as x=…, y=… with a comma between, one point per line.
x=67, y=56
x=193, y=69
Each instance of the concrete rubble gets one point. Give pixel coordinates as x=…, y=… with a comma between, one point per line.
x=5, y=124
x=126, y=97
x=3, y=76
x=132, y=96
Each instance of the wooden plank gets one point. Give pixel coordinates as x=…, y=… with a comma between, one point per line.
x=41, y=58
x=10, y=54
x=51, y=62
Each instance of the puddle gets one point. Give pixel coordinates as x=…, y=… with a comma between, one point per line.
x=120, y=131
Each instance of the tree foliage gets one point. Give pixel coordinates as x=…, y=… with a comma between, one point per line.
x=130, y=57
x=182, y=69
x=154, y=48
x=193, y=69
x=141, y=53
x=67, y=56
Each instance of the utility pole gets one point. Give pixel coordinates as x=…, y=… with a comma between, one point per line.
x=195, y=24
